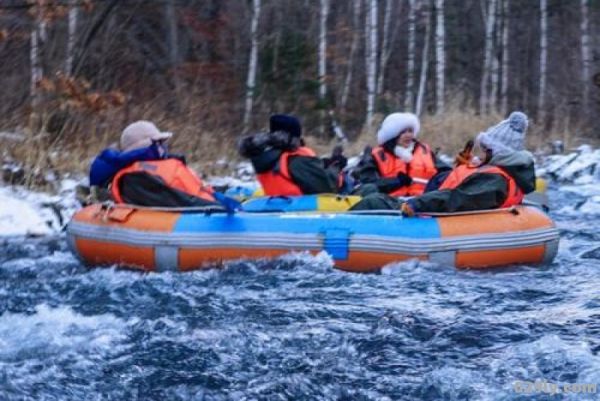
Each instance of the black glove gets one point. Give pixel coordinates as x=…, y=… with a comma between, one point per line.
x=404, y=179
x=279, y=140
x=338, y=162
x=253, y=145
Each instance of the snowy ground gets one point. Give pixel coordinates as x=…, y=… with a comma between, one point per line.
x=27, y=213
x=578, y=173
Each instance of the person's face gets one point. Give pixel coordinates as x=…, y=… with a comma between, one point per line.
x=481, y=152
x=406, y=138
x=162, y=147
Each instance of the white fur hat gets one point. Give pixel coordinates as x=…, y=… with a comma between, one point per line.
x=141, y=134
x=507, y=136
x=394, y=124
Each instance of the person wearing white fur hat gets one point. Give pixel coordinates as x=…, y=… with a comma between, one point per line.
x=400, y=165
x=499, y=177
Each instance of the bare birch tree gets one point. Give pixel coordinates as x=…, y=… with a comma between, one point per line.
x=410, y=69
x=424, y=59
x=323, y=50
x=172, y=37
x=36, y=64
x=484, y=100
x=173, y=45
x=495, y=71
x=385, y=45
x=440, y=56
x=586, y=58
x=356, y=7
x=543, y=57
x=72, y=35
x=322, y=63
x=371, y=58
x=505, y=58
x=252, y=62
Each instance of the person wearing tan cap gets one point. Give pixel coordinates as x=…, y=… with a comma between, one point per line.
x=141, y=134
x=144, y=173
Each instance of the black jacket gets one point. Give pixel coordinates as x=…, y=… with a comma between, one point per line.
x=307, y=172
x=144, y=189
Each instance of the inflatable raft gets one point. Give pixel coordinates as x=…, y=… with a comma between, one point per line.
x=158, y=240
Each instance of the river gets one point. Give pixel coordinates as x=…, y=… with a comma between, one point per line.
x=297, y=329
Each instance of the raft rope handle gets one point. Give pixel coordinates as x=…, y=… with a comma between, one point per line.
x=209, y=209
x=107, y=206
x=512, y=209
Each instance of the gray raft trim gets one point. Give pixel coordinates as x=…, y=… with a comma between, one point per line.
x=313, y=241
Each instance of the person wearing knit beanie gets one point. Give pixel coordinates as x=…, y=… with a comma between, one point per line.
x=285, y=123
x=401, y=165
x=503, y=178
x=506, y=137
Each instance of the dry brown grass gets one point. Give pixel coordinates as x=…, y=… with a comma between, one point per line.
x=449, y=131
x=82, y=135
x=72, y=148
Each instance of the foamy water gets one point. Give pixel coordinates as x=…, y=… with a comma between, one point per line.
x=297, y=329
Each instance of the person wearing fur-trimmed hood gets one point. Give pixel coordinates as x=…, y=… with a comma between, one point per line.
x=501, y=179
x=401, y=165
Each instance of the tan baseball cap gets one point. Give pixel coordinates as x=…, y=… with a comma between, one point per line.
x=141, y=134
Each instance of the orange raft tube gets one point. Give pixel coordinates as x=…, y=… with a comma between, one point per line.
x=156, y=240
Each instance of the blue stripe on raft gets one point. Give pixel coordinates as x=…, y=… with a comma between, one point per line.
x=282, y=204
x=392, y=226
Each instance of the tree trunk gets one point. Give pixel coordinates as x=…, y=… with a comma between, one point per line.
x=410, y=81
x=505, y=58
x=353, y=49
x=252, y=62
x=424, y=60
x=385, y=46
x=371, y=59
x=172, y=33
x=484, y=100
x=323, y=62
x=323, y=50
x=495, y=72
x=440, y=55
x=173, y=47
x=543, y=58
x=72, y=36
x=36, y=69
x=586, y=58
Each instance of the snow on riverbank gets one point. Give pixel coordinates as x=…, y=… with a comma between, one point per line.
x=24, y=212
x=578, y=173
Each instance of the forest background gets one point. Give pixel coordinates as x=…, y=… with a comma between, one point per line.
x=74, y=73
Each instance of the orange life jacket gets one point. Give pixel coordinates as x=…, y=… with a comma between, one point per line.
x=461, y=173
x=278, y=181
x=173, y=173
x=421, y=166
